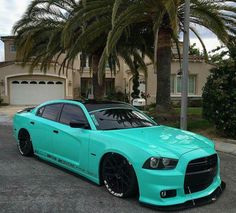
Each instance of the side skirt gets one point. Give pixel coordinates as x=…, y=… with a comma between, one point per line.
x=66, y=165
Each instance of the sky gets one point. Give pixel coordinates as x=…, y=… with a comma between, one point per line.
x=12, y=10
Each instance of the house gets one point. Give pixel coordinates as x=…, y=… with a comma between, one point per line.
x=19, y=87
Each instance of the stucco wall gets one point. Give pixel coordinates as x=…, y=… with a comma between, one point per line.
x=9, y=55
x=16, y=71
x=200, y=69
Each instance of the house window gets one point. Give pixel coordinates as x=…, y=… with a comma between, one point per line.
x=172, y=84
x=192, y=85
x=33, y=82
x=86, y=87
x=179, y=79
x=59, y=82
x=15, y=82
x=176, y=84
x=12, y=48
x=85, y=61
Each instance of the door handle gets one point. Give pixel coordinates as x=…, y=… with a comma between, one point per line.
x=56, y=131
x=32, y=122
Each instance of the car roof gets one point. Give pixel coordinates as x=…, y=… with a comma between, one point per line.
x=93, y=105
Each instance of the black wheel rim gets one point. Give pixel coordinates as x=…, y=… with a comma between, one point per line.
x=24, y=144
x=117, y=174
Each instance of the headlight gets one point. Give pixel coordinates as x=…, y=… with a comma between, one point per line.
x=160, y=163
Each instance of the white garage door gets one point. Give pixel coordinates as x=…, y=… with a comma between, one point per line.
x=30, y=92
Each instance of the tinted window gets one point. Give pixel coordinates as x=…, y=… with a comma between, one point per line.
x=51, y=112
x=72, y=113
x=120, y=119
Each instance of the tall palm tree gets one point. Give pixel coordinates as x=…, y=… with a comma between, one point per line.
x=167, y=19
x=39, y=31
x=95, y=17
x=51, y=28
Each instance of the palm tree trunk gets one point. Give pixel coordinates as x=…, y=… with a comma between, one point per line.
x=163, y=68
x=98, y=90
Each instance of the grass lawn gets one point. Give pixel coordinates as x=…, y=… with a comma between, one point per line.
x=191, y=111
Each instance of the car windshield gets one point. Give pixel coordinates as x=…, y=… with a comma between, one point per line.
x=110, y=119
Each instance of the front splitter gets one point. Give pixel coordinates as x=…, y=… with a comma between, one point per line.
x=192, y=203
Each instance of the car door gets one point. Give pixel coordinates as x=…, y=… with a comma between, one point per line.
x=71, y=144
x=43, y=126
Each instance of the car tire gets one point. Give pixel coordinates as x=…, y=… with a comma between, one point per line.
x=119, y=176
x=24, y=143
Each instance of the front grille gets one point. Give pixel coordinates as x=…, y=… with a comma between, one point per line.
x=200, y=174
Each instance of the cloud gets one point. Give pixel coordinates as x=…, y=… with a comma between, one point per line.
x=10, y=12
x=210, y=43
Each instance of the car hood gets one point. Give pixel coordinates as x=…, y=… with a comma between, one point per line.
x=163, y=140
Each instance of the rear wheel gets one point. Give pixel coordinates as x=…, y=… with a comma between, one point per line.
x=24, y=144
x=119, y=176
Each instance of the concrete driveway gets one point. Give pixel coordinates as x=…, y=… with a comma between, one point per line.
x=32, y=185
x=7, y=113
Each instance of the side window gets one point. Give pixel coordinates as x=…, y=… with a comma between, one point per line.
x=52, y=111
x=40, y=112
x=72, y=113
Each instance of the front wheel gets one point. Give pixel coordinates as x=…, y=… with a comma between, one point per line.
x=119, y=176
x=24, y=144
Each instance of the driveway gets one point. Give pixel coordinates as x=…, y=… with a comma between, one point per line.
x=32, y=185
x=7, y=113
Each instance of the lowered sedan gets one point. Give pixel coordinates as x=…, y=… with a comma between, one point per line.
x=114, y=144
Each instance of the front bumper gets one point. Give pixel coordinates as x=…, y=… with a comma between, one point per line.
x=153, y=182
x=192, y=203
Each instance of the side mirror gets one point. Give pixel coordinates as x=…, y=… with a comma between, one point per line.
x=79, y=124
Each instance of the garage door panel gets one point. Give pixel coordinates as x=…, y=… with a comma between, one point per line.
x=29, y=93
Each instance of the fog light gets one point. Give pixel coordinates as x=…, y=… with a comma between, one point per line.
x=163, y=194
x=168, y=193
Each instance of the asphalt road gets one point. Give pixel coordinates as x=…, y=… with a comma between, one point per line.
x=32, y=185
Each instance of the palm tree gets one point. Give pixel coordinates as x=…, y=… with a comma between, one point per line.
x=39, y=31
x=95, y=17
x=52, y=28
x=167, y=19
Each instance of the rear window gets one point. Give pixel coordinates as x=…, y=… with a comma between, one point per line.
x=52, y=111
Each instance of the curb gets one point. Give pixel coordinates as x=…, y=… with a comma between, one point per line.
x=229, y=148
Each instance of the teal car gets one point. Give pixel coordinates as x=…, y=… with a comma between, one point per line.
x=116, y=145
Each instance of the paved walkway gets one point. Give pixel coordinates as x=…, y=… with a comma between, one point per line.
x=10, y=110
x=224, y=146
x=7, y=113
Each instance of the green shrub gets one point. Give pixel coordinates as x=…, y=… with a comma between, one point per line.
x=219, y=99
